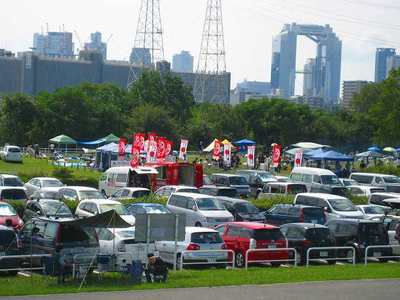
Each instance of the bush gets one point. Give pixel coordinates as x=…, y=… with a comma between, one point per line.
x=152, y=198
x=267, y=203
x=358, y=200
x=389, y=169
x=72, y=205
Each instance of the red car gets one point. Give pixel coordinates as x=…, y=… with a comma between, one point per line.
x=9, y=217
x=242, y=236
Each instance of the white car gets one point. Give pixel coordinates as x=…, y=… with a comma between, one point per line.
x=364, y=190
x=90, y=208
x=121, y=241
x=167, y=190
x=130, y=193
x=37, y=183
x=79, y=193
x=378, y=198
x=10, y=180
x=348, y=182
x=395, y=221
x=195, y=239
x=373, y=211
x=11, y=154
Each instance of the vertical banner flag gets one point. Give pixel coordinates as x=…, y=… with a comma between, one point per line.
x=298, y=158
x=135, y=160
x=152, y=151
x=276, y=155
x=121, y=148
x=227, y=155
x=251, y=152
x=183, y=149
x=217, y=150
x=168, y=148
x=161, y=147
x=138, y=141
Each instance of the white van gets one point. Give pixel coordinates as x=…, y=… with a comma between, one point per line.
x=389, y=182
x=11, y=154
x=120, y=177
x=318, y=180
x=200, y=210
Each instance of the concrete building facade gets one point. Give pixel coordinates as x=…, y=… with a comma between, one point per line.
x=97, y=44
x=53, y=44
x=250, y=90
x=351, y=88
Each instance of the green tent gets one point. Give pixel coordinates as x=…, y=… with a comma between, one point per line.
x=111, y=138
x=63, y=140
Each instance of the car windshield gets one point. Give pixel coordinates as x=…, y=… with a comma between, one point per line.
x=156, y=209
x=119, y=208
x=51, y=183
x=237, y=180
x=206, y=238
x=127, y=234
x=7, y=210
x=13, y=195
x=246, y=208
x=87, y=195
x=139, y=194
x=13, y=181
x=374, y=210
x=265, y=175
x=189, y=190
x=317, y=234
x=227, y=192
x=209, y=204
x=14, y=150
x=55, y=208
x=391, y=179
x=330, y=180
x=342, y=205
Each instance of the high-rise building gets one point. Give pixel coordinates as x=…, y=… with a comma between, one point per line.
x=309, y=78
x=250, y=90
x=327, y=73
x=97, y=44
x=141, y=57
x=381, y=59
x=351, y=88
x=393, y=63
x=182, y=62
x=57, y=44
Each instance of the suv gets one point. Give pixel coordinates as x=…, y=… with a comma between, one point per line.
x=235, y=181
x=200, y=210
x=303, y=236
x=167, y=190
x=257, y=179
x=221, y=191
x=242, y=210
x=287, y=213
x=79, y=193
x=10, y=180
x=389, y=182
x=11, y=154
x=360, y=234
x=242, y=236
x=377, y=198
x=282, y=188
x=335, y=206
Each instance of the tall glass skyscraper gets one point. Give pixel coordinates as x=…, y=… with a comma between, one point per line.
x=381, y=59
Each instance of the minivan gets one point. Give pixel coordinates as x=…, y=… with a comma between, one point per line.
x=257, y=179
x=11, y=154
x=200, y=210
x=389, y=182
x=318, y=180
x=287, y=213
x=334, y=206
x=377, y=198
x=235, y=181
x=282, y=189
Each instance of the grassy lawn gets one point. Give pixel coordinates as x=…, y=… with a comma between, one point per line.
x=203, y=278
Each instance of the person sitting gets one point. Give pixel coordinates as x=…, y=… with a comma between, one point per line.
x=157, y=270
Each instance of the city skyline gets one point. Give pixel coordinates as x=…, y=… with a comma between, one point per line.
x=249, y=28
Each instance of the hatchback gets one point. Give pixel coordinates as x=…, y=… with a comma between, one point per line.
x=287, y=213
x=9, y=217
x=37, y=183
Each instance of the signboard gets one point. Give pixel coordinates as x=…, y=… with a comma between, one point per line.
x=159, y=227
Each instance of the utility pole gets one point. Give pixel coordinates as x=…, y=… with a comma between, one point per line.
x=211, y=68
x=148, y=47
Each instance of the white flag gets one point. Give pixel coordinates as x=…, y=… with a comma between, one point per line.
x=183, y=149
x=298, y=158
x=251, y=153
x=152, y=152
x=227, y=155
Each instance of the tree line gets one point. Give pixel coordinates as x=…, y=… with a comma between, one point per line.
x=163, y=104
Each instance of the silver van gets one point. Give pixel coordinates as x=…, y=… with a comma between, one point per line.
x=389, y=182
x=234, y=181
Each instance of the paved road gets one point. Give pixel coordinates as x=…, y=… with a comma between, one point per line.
x=342, y=290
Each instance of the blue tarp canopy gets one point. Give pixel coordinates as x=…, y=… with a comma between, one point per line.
x=245, y=142
x=113, y=148
x=315, y=152
x=329, y=155
x=375, y=149
x=111, y=138
x=369, y=154
x=92, y=143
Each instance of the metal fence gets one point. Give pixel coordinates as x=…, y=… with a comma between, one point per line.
x=327, y=258
x=378, y=254
x=210, y=260
x=247, y=261
x=22, y=257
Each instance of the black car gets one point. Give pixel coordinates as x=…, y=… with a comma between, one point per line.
x=221, y=191
x=9, y=246
x=242, y=210
x=47, y=208
x=303, y=236
x=359, y=234
x=288, y=213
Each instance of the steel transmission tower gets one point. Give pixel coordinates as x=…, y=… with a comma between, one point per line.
x=148, y=47
x=211, y=68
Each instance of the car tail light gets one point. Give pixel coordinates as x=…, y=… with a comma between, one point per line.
x=121, y=247
x=253, y=244
x=301, y=216
x=193, y=246
x=306, y=243
x=224, y=247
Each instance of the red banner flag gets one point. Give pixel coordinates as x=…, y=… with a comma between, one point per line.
x=168, y=148
x=251, y=151
x=276, y=155
x=217, y=150
x=135, y=157
x=183, y=149
x=152, y=137
x=121, y=148
x=138, y=141
x=152, y=151
x=161, y=147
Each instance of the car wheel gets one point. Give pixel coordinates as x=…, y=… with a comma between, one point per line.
x=198, y=224
x=239, y=260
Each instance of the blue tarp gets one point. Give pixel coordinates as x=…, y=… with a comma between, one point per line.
x=113, y=147
x=330, y=155
x=92, y=143
x=245, y=142
x=375, y=149
x=315, y=152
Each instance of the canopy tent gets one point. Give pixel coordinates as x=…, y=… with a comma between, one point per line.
x=226, y=142
x=389, y=149
x=111, y=138
x=114, y=148
x=293, y=151
x=314, y=152
x=210, y=147
x=369, y=154
x=330, y=155
x=374, y=149
x=309, y=146
x=108, y=153
x=244, y=142
x=63, y=140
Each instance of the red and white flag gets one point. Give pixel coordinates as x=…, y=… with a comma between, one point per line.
x=135, y=160
x=276, y=155
x=161, y=147
x=298, y=158
x=168, y=148
x=138, y=141
x=227, y=154
x=183, y=149
x=217, y=150
x=251, y=153
x=121, y=148
x=152, y=152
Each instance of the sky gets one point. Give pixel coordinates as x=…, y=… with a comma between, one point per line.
x=362, y=25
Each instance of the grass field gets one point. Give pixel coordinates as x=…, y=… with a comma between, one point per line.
x=38, y=285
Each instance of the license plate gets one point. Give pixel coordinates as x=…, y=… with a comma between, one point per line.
x=212, y=260
x=377, y=254
x=324, y=254
x=271, y=246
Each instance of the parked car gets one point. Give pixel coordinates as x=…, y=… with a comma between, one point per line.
x=286, y=213
x=242, y=236
x=257, y=179
x=121, y=241
x=12, y=193
x=393, y=226
x=242, y=210
x=146, y=208
x=318, y=180
x=60, y=238
x=46, y=193
x=334, y=206
x=200, y=210
x=37, y=183
x=207, y=180
x=360, y=234
x=167, y=190
x=11, y=154
x=9, y=216
x=372, y=211
x=377, y=198
x=348, y=182
x=9, y=245
x=282, y=189
x=47, y=208
x=364, y=190
x=129, y=193
x=10, y=180
x=233, y=181
x=389, y=182
x=303, y=236
x=80, y=193
x=222, y=191
x=90, y=208
x=195, y=239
